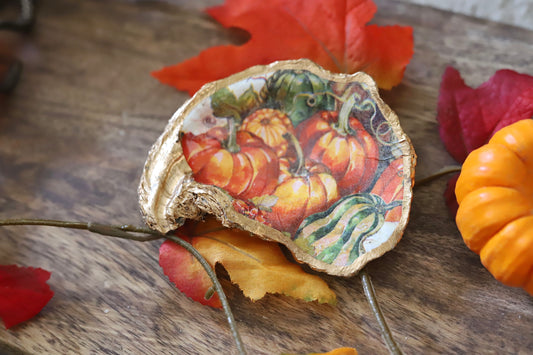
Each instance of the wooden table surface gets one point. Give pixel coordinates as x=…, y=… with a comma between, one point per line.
x=73, y=139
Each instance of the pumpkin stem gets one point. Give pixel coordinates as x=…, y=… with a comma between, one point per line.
x=231, y=142
x=343, y=123
x=382, y=207
x=392, y=205
x=350, y=100
x=299, y=166
x=141, y=234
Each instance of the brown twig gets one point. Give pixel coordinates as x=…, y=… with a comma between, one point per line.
x=372, y=299
x=141, y=234
x=367, y=282
x=144, y=234
x=444, y=171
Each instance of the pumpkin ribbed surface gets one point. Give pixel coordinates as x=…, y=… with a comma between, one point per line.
x=270, y=125
x=495, y=196
x=337, y=235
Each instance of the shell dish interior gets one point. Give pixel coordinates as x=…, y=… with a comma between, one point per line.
x=291, y=153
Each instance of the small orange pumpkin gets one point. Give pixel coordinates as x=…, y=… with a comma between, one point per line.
x=495, y=196
x=270, y=125
x=245, y=168
x=308, y=189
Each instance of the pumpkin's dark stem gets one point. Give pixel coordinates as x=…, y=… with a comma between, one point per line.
x=141, y=234
x=392, y=205
x=444, y=171
x=231, y=143
x=383, y=208
x=299, y=168
x=370, y=294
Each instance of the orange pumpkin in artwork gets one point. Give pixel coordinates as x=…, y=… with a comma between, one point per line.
x=310, y=190
x=346, y=148
x=245, y=169
x=270, y=125
x=304, y=188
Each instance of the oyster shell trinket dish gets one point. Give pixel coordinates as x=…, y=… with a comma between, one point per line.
x=291, y=153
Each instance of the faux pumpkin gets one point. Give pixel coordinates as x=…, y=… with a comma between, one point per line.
x=344, y=146
x=245, y=168
x=270, y=125
x=495, y=196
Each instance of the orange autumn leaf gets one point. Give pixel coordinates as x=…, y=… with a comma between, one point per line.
x=257, y=266
x=339, y=351
x=332, y=33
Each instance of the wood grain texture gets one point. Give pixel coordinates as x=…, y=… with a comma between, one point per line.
x=73, y=139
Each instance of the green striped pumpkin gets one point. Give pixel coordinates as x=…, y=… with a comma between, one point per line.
x=298, y=93
x=336, y=236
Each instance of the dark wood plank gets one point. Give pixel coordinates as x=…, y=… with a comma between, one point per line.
x=73, y=139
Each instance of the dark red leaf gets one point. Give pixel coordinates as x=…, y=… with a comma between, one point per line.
x=23, y=293
x=469, y=117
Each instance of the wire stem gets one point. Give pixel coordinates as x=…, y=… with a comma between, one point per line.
x=218, y=289
x=444, y=171
x=131, y=233
x=372, y=299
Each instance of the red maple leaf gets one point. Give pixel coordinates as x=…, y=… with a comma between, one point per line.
x=332, y=33
x=469, y=117
x=23, y=293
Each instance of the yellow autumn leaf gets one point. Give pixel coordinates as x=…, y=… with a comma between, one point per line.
x=255, y=265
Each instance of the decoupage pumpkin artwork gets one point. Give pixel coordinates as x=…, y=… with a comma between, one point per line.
x=291, y=153
x=495, y=215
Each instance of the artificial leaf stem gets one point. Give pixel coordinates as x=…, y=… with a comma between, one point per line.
x=130, y=232
x=370, y=294
x=218, y=289
x=444, y=171
x=367, y=282
x=144, y=234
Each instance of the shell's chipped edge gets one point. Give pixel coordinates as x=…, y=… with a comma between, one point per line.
x=169, y=194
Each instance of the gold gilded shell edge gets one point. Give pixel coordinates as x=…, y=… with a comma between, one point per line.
x=168, y=194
